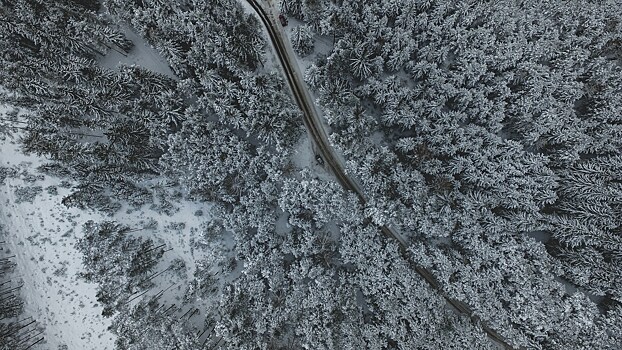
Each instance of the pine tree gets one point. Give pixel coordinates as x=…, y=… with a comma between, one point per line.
x=119, y=263
x=302, y=40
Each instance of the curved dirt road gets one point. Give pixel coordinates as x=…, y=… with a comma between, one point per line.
x=314, y=126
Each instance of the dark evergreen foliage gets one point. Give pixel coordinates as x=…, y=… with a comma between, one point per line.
x=149, y=325
x=471, y=125
x=119, y=263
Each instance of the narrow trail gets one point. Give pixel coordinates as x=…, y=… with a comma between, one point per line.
x=313, y=124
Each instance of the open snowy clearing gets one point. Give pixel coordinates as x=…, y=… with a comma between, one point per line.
x=42, y=234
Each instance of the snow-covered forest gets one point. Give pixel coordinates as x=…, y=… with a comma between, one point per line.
x=156, y=170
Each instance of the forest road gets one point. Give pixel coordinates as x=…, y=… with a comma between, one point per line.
x=314, y=126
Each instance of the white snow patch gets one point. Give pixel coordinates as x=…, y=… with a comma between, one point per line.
x=142, y=54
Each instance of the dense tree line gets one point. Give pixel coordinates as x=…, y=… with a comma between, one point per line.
x=217, y=51
x=221, y=130
x=472, y=126
x=150, y=325
x=285, y=296
x=104, y=128
x=330, y=281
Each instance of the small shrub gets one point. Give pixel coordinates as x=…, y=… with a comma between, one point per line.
x=27, y=194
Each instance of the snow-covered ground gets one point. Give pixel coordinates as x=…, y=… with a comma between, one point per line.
x=303, y=157
x=42, y=234
x=142, y=54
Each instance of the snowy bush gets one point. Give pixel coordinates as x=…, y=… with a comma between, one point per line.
x=6, y=172
x=178, y=266
x=52, y=190
x=27, y=194
x=54, y=169
x=135, y=195
x=92, y=197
